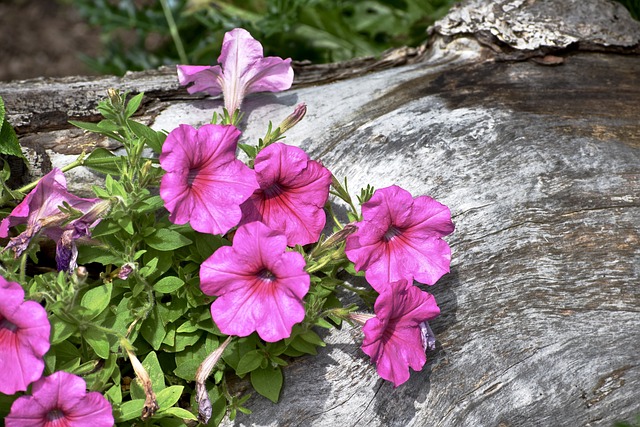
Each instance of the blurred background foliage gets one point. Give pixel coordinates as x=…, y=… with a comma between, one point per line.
x=144, y=34
x=141, y=34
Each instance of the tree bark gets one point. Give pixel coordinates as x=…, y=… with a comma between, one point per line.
x=524, y=118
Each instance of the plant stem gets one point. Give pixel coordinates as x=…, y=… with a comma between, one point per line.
x=173, y=29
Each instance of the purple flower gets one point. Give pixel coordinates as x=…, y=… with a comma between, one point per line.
x=243, y=70
x=40, y=211
x=292, y=194
x=205, y=183
x=58, y=400
x=24, y=338
x=393, y=339
x=400, y=238
x=259, y=284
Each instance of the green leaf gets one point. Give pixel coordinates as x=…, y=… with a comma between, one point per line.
x=8, y=140
x=168, y=284
x=250, y=150
x=129, y=410
x=133, y=105
x=154, y=139
x=153, y=330
x=60, y=330
x=312, y=338
x=267, y=382
x=165, y=239
x=98, y=341
x=180, y=413
x=96, y=300
x=249, y=362
x=188, y=361
x=305, y=347
x=168, y=397
x=114, y=394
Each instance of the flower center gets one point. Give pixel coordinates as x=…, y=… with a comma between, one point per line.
x=266, y=275
x=392, y=232
x=54, y=415
x=192, y=175
x=274, y=190
x=5, y=324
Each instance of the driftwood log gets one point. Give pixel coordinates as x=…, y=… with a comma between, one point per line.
x=524, y=118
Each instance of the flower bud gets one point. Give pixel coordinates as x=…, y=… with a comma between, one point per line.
x=294, y=118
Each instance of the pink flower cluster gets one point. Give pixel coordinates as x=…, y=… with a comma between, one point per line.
x=57, y=400
x=279, y=203
x=399, y=240
x=259, y=284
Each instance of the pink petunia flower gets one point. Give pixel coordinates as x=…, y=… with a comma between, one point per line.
x=24, y=338
x=393, y=338
x=400, y=237
x=40, y=211
x=292, y=194
x=205, y=183
x=243, y=70
x=61, y=399
x=259, y=284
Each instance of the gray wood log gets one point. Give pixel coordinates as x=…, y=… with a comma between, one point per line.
x=540, y=165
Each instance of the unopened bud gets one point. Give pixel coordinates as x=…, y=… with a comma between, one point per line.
x=114, y=97
x=294, y=118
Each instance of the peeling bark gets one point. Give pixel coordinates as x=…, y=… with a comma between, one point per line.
x=540, y=165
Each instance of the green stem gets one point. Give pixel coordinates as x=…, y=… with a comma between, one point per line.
x=173, y=29
x=23, y=268
x=77, y=162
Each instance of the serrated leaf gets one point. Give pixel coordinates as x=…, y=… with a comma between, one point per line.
x=168, y=284
x=180, y=413
x=267, y=382
x=165, y=239
x=168, y=397
x=129, y=410
x=95, y=300
x=249, y=362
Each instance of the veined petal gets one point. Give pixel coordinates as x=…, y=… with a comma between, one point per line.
x=393, y=338
x=204, y=183
x=292, y=194
x=259, y=285
x=205, y=78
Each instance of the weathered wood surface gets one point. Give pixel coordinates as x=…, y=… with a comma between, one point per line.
x=540, y=165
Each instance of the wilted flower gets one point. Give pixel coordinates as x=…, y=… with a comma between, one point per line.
x=205, y=183
x=292, y=194
x=393, y=338
x=60, y=399
x=243, y=70
x=24, y=338
x=40, y=211
x=259, y=284
x=203, y=372
x=401, y=238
